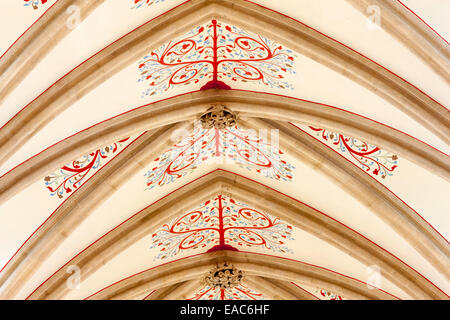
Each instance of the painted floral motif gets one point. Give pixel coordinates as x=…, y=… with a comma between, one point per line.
x=326, y=295
x=371, y=158
x=139, y=3
x=239, y=292
x=222, y=223
x=242, y=147
x=73, y=175
x=216, y=52
x=34, y=3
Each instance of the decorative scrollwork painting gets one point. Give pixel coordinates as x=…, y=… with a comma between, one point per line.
x=73, y=175
x=139, y=3
x=242, y=147
x=371, y=158
x=218, y=53
x=327, y=295
x=34, y=3
x=222, y=224
x=239, y=292
x=224, y=276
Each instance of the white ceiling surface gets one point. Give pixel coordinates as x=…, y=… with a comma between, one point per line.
x=339, y=20
x=425, y=197
x=421, y=189
x=313, y=82
x=16, y=19
x=319, y=192
x=315, y=291
x=312, y=250
x=434, y=13
x=26, y=211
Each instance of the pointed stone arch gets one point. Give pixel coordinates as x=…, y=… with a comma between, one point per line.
x=252, y=264
x=254, y=194
x=401, y=217
x=282, y=29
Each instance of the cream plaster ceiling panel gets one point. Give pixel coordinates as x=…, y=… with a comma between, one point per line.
x=306, y=248
x=320, y=193
x=323, y=89
x=313, y=82
x=103, y=166
x=17, y=17
x=24, y=213
x=94, y=33
x=339, y=20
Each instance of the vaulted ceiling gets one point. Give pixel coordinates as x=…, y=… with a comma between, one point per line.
x=295, y=149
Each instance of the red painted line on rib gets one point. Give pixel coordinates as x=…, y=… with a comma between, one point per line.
x=346, y=111
x=238, y=90
x=432, y=29
x=249, y=252
x=303, y=289
x=249, y=179
x=384, y=186
x=87, y=128
x=359, y=53
x=27, y=30
x=145, y=298
x=249, y=2
x=322, y=104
